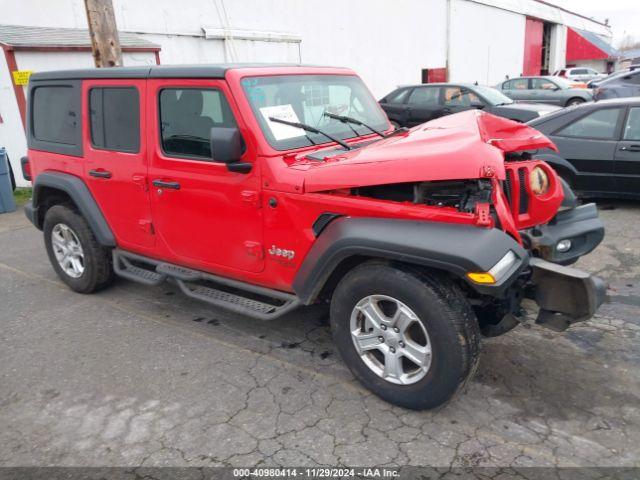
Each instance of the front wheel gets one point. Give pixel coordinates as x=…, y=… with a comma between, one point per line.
x=575, y=101
x=77, y=257
x=409, y=337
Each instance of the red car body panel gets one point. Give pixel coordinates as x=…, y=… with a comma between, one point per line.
x=226, y=223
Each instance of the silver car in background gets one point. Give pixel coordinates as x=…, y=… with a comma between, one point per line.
x=545, y=89
x=580, y=74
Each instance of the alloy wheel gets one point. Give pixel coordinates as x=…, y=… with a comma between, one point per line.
x=390, y=339
x=68, y=250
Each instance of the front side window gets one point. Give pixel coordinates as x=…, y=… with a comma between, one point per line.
x=425, y=96
x=187, y=116
x=54, y=117
x=305, y=99
x=542, y=84
x=459, y=97
x=600, y=124
x=115, y=118
x=632, y=128
x=517, y=84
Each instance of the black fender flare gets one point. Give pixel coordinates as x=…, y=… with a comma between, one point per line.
x=557, y=162
x=454, y=248
x=81, y=196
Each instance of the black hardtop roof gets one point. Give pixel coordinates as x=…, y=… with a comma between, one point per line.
x=156, y=71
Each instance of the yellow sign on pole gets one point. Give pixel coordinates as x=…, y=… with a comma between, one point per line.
x=21, y=77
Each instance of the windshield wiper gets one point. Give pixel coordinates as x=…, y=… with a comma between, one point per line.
x=309, y=128
x=355, y=121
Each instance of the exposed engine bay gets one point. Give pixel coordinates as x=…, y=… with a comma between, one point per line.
x=460, y=194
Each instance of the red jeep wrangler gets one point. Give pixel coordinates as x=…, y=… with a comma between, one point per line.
x=260, y=189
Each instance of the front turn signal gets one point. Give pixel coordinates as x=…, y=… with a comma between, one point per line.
x=481, y=277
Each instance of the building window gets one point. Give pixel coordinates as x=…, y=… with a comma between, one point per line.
x=115, y=118
x=55, y=119
x=187, y=117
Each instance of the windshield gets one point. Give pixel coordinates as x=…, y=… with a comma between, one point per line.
x=305, y=99
x=493, y=96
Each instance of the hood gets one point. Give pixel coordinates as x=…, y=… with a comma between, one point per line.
x=466, y=145
x=541, y=108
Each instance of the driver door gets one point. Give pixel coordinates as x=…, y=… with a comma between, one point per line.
x=544, y=91
x=204, y=216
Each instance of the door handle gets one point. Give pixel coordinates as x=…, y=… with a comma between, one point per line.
x=631, y=148
x=99, y=173
x=163, y=184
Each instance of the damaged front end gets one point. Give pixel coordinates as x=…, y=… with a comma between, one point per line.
x=473, y=169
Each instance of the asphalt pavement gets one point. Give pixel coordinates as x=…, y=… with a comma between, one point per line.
x=138, y=375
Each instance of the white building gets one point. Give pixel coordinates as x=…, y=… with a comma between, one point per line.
x=387, y=42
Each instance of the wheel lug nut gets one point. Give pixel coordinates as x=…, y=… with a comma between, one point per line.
x=381, y=339
x=392, y=350
x=396, y=329
x=383, y=327
x=401, y=344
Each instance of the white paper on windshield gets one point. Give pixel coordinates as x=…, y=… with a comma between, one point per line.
x=281, y=131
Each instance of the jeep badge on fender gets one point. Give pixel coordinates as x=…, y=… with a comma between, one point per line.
x=419, y=240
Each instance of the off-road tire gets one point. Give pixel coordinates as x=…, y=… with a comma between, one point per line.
x=441, y=307
x=98, y=264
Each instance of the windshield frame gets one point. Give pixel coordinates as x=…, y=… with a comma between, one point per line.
x=303, y=142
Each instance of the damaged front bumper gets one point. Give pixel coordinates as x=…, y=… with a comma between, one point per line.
x=564, y=295
x=571, y=234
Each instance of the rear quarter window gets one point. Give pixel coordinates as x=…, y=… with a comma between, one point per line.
x=55, y=117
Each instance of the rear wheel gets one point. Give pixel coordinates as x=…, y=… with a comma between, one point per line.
x=77, y=257
x=409, y=337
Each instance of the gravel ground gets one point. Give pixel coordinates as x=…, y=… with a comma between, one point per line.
x=145, y=376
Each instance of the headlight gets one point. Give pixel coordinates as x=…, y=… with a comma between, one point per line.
x=539, y=181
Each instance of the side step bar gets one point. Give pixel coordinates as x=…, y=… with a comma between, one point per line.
x=235, y=296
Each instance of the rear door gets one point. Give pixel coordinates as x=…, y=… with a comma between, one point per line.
x=627, y=157
x=424, y=104
x=589, y=143
x=115, y=158
x=204, y=215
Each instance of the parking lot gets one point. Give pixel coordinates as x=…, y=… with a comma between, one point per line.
x=137, y=375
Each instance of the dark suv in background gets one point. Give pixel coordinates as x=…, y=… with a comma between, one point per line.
x=619, y=86
x=415, y=104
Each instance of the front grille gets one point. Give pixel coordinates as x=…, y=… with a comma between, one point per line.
x=515, y=189
x=524, y=197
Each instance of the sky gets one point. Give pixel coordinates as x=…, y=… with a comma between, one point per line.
x=623, y=15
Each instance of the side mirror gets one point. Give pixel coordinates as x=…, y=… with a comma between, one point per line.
x=227, y=146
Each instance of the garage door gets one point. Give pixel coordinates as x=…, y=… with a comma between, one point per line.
x=532, y=47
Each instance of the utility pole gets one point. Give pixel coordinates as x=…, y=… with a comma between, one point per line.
x=105, y=43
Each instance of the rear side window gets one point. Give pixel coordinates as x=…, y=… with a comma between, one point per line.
x=187, y=117
x=425, y=96
x=601, y=124
x=55, y=119
x=115, y=118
